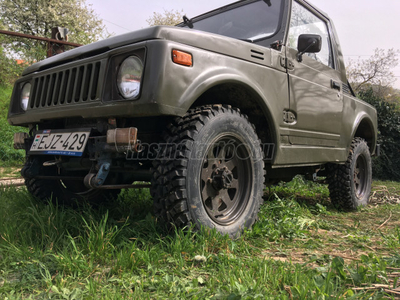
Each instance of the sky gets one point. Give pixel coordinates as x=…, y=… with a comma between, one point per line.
x=362, y=25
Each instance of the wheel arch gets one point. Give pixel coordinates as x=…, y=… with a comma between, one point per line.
x=232, y=89
x=364, y=128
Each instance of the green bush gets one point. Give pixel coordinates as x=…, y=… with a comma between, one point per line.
x=387, y=165
x=10, y=70
x=8, y=155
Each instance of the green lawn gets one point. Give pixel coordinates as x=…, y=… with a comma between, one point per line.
x=301, y=248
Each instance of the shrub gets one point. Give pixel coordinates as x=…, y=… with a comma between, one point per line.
x=10, y=70
x=387, y=165
x=8, y=155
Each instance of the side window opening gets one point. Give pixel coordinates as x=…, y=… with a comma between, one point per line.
x=305, y=22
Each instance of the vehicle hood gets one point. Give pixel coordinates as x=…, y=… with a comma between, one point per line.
x=99, y=47
x=200, y=39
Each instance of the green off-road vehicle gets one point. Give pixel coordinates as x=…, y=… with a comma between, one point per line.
x=209, y=111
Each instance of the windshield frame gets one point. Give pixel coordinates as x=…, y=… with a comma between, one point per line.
x=235, y=5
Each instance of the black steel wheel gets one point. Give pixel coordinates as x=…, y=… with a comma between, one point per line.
x=211, y=171
x=350, y=184
x=224, y=179
x=361, y=177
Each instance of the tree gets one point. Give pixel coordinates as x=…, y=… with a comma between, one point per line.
x=169, y=17
x=38, y=17
x=375, y=72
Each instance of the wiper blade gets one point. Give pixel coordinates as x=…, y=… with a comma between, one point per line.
x=268, y=2
x=187, y=21
x=247, y=40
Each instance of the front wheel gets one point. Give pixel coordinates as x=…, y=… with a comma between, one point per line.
x=350, y=184
x=211, y=171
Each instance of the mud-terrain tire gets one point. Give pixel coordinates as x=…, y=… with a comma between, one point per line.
x=210, y=171
x=350, y=184
x=67, y=192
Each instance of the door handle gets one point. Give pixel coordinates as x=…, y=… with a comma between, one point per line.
x=335, y=85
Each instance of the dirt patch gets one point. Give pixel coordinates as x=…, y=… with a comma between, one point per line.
x=384, y=195
x=10, y=172
x=313, y=258
x=6, y=182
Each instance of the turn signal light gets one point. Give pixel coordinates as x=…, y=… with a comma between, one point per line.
x=182, y=58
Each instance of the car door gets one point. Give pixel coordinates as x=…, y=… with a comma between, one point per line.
x=316, y=101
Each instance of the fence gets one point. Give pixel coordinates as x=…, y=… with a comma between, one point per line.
x=8, y=155
x=54, y=46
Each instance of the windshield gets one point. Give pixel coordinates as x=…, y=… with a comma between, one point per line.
x=251, y=22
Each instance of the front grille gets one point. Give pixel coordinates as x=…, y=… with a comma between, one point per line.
x=74, y=85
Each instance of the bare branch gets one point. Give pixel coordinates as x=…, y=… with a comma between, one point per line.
x=169, y=17
x=375, y=71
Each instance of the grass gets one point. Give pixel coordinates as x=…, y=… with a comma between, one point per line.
x=301, y=248
x=10, y=172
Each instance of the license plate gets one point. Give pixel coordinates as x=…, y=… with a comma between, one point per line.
x=60, y=142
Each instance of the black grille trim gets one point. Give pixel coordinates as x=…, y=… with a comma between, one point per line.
x=74, y=85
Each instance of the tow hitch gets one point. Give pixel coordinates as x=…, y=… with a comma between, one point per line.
x=117, y=140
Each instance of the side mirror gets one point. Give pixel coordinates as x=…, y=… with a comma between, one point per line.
x=308, y=43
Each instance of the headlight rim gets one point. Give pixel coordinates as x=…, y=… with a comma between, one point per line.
x=119, y=77
x=22, y=95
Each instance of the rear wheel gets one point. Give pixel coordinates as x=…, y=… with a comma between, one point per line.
x=210, y=172
x=350, y=184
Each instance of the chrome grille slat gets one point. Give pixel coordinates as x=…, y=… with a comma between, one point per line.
x=75, y=85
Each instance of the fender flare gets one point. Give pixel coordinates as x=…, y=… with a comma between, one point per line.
x=222, y=76
x=362, y=120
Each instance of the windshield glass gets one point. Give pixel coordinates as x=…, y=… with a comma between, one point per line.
x=251, y=22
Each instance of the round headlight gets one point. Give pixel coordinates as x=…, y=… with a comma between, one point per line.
x=129, y=77
x=25, y=94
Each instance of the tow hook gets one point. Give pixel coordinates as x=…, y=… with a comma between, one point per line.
x=93, y=180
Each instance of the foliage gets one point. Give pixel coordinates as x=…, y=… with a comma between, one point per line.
x=387, y=166
x=10, y=70
x=169, y=17
x=283, y=219
x=38, y=17
x=375, y=71
x=8, y=155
